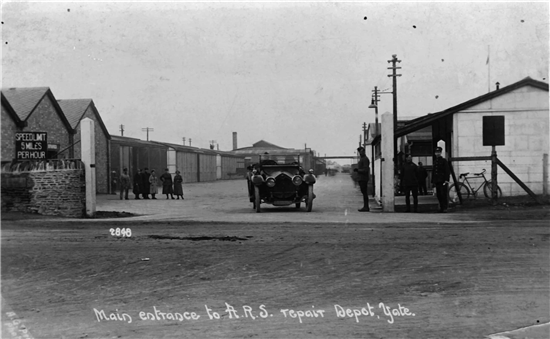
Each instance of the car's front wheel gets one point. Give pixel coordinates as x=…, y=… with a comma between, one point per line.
x=257, y=198
x=309, y=201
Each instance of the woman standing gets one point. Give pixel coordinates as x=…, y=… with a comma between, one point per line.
x=166, y=179
x=153, y=181
x=178, y=189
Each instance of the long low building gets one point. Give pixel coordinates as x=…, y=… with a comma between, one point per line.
x=195, y=164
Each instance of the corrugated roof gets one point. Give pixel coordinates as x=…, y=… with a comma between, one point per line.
x=23, y=100
x=74, y=109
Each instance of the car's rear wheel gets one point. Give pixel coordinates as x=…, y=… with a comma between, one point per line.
x=257, y=199
x=309, y=201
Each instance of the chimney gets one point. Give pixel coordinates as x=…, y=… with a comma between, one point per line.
x=498, y=85
x=234, y=140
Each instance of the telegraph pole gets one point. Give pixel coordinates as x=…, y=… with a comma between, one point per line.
x=121, y=130
x=394, y=75
x=364, y=134
x=147, y=129
x=374, y=104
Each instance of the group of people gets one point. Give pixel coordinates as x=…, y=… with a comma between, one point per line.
x=412, y=180
x=146, y=183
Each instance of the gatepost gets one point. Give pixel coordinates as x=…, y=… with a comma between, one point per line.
x=87, y=141
x=387, y=141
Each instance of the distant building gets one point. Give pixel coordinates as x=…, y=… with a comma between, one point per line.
x=306, y=157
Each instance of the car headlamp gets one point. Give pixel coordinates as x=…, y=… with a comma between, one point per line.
x=270, y=182
x=297, y=180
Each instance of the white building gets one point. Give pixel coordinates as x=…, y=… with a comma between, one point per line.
x=459, y=129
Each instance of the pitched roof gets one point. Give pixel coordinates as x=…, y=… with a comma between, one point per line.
x=427, y=120
x=265, y=144
x=11, y=112
x=24, y=100
x=74, y=109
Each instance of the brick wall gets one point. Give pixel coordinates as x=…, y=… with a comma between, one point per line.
x=8, y=136
x=60, y=192
x=46, y=119
x=101, y=152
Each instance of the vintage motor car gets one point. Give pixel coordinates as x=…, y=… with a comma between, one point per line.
x=280, y=183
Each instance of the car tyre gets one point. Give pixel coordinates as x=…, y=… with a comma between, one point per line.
x=257, y=199
x=309, y=201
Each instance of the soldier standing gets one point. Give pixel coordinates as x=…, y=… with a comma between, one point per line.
x=137, y=183
x=440, y=178
x=363, y=173
x=125, y=184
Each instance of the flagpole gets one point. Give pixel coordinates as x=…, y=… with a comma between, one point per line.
x=489, y=68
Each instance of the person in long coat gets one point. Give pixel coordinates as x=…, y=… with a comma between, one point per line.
x=125, y=184
x=166, y=179
x=178, y=189
x=409, y=182
x=422, y=176
x=363, y=176
x=137, y=183
x=153, y=182
x=145, y=185
x=440, y=178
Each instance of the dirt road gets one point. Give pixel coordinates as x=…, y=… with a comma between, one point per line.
x=192, y=280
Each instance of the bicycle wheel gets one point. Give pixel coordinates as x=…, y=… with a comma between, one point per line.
x=453, y=195
x=488, y=190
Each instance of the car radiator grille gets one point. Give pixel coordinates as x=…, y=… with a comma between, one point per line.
x=284, y=188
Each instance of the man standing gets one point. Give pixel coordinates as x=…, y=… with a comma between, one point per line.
x=137, y=183
x=145, y=185
x=363, y=173
x=440, y=178
x=422, y=176
x=124, y=184
x=409, y=182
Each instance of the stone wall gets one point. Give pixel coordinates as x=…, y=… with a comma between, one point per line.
x=58, y=192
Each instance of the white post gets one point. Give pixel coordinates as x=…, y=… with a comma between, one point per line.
x=87, y=141
x=388, y=194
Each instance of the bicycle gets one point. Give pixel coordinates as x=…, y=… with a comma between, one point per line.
x=465, y=190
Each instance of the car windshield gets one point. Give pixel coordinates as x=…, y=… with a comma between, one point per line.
x=279, y=160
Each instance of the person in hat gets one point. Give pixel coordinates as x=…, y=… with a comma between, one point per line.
x=145, y=185
x=153, y=184
x=167, y=188
x=125, y=184
x=422, y=176
x=363, y=174
x=440, y=178
x=137, y=183
x=178, y=189
x=409, y=182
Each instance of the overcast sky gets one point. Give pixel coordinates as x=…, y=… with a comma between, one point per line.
x=288, y=73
